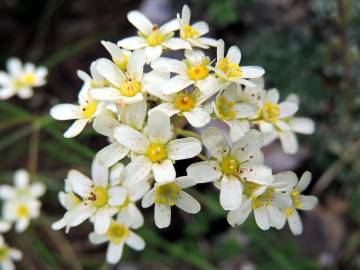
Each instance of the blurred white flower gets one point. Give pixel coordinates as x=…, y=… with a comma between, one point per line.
x=151, y=37
x=166, y=195
x=21, y=79
x=8, y=255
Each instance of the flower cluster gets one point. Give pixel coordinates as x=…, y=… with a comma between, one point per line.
x=133, y=98
x=21, y=79
x=20, y=205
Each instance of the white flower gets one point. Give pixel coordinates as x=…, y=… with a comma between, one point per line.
x=232, y=166
x=193, y=33
x=21, y=79
x=99, y=199
x=125, y=86
x=135, y=180
x=94, y=80
x=166, y=195
x=300, y=202
x=155, y=147
x=119, y=56
x=288, y=127
x=187, y=103
x=82, y=113
x=132, y=115
x=118, y=235
x=193, y=70
x=235, y=106
x=8, y=255
x=151, y=37
x=228, y=68
x=266, y=201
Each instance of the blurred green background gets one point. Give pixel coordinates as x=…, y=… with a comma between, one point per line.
x=308, y=47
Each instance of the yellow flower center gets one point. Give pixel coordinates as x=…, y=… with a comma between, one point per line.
x=198, y=72
x=121, y=63
x=28, y=79
x=295, y=197
x=130, y=87
x=22, y=211
x=188, y=32
x=264, y=199
x=229, y=165
x=124, y=204
x=156, y=152
x=99, y=196
x=4, y=253
x=167, y=194
x=230, y=69
x=155, y=37
x=117, y=233
x=98, y=84
x=225, y=108
x=270, y=112
x=89, y=109
x=184, y=101
x=250, y=188
x=288, y=211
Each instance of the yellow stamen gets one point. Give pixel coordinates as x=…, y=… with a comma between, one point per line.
x=264, y=199
x=185, y=101
x=167, y=194
x=188, y=32
x=121, y=63
x=295, y=197
x=270, y=112
x=225, y=108
x=117, y=233
x=156, y=152
x=230, y=69
x=99, y=196
x=89, y=109
x=229, y=165
x=28, y=79
x=130, y=87
x=22, y=211
x=155, y=37
x=250, y=188
x=288, y=211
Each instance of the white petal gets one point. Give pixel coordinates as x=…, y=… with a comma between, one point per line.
x=131, y=138
x=37, y=189
x=111, y=154
x=295, y=223
x=164, y=64
x=97, y=239
x=186, y=14
x=14, y=66
x=138, y=170
x=308, y=202
x=135, y=241
x=185, y=182
x=238, y=128
x=240, y=215
x=134, y=115
x=234, y=54
x=257, y=174
x=202, y=28
x=169, y=27
x=287, y=109
x=164, y=171
x=21, y=178
x=148, y=199
x=251, y=72
x=304, y=181
x=205, y=171
x=105, y=123
x=76, y=128
x=117, y=195
x=176, y=44
x=110, y=71
x=273, y=96
x=247, y=146
x=78, y=215
x=135, y=66
x=22, y=224
x=167, y=108
x=244, y=110
x=187, y=203
x=25, y=93
x=132, y=43
x=262, y=217
x=289, y=142
x=281, y=200
x=285, y=180
x=80, y=184
x=114, y=252
x=183, y=148
x=276, y=217
x=99, y=173
x=162, y=215
x=6, y=93
x=302, y=125
x=106, y=94
x=102, y=220
x=66, y=112
x=176, y=84
x=159, y=127
x=197, y=117
x=140, y=21
x=215, y=142
x=153, y=53
x=7, y=192
x=230, y=193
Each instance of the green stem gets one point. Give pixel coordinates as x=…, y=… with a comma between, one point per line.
x=187, y=133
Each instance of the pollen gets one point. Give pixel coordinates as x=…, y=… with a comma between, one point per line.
x=117, y=233
x=264, y=199
x=188, y=32
x=155, y=37
x=230, y=69
x=250, y=188
x=225, y=108
x=130, y=87
x=22, y=211
x=185, y=102
x=156, y=152
x=28, y=79
x=198, y=72
x=295, y=197
x=121, y=63
x=89, y=109
x=167, y=194
x=229, y=165
x=99, y=196
x=288, y=211
x=270, y=112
